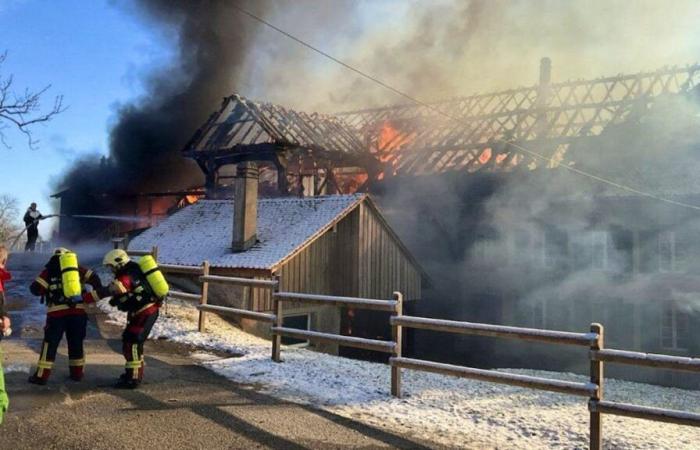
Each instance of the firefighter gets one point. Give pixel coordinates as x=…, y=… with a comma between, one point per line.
x=137, y=290
x=62, y=286
x=31, y=221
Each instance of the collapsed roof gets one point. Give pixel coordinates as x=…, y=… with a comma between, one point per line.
x=467, y=134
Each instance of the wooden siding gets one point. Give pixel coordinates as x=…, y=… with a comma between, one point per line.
x=360, y=257
x=384, y=267
x=328, y=265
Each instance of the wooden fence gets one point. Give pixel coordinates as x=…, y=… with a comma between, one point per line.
x=598, y=355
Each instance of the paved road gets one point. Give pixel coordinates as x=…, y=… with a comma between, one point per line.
x=181, y=405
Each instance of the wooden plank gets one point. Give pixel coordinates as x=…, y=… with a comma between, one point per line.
x=276, y=338
x=347, y=341
x=170, y=268
x=545, y=384
x=352, y=302
x=646, y=412
x=236, y=312
x=596, y=378
x=482, y=329
x=184, y=296
x=397, y=337
x=238, y=281
x=204, y=298
x=647, y=359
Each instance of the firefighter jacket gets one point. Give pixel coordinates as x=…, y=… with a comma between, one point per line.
x=4, y=276
x=31, y=219
x=49, y=286
x=131, y=292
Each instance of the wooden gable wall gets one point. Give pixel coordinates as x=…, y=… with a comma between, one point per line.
x=384, y=264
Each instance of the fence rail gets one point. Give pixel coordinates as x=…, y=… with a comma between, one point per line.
x=482, y=329
x=190, y=270
x=140, y=252
x=647, y=359
x=278, y=331
x=348, y=341
x=598, y=355
x=647, y=412
x=184, y=295
x=226, y=311
x=546, y=384
x=351, y=302
x=252, y=282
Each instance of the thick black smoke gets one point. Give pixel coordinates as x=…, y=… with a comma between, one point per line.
x=145, y=142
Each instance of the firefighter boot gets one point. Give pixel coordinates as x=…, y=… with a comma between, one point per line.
x=76, y=372
x=125, y=381
x=40, y=379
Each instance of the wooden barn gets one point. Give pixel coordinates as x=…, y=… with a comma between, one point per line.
x=333, y=245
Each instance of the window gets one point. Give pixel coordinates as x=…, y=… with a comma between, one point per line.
x=555, y=247
x=599, y=250
x=622, y=255
x=520, y=246
x=300, y=322
x=539, y=314
x=667, y=251
x=674, y=327
x=488, y=251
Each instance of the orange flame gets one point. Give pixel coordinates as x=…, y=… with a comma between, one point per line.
x=390, y=141
x=485, y=156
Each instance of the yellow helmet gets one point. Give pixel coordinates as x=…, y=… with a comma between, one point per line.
x=61, y=251
x=116, y=258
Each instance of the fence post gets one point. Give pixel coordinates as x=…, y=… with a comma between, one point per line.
x=276, y=338
x=396, y=334
x=154, y=252
x=204, y=299
x=597, y=376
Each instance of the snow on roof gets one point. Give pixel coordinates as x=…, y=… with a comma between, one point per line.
x=203, y=231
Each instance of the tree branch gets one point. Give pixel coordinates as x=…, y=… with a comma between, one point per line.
x=24, y=110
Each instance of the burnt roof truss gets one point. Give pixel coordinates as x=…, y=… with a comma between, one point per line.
x=478, y=132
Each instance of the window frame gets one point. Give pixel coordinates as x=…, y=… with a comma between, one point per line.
x=306, y=343
x=674, y=313
x=672, y=244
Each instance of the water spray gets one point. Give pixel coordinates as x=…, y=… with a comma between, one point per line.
x=76, y=216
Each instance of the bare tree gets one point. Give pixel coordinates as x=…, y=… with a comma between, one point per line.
x=22, y=110
x=9, y=212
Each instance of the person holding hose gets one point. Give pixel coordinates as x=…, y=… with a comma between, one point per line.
x=4, y=327
x=62, y=285
x=138, y=289
x=31, y=221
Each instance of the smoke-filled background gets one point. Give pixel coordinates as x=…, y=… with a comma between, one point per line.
x=430, y=49
x=549, y=248
x=465, y=230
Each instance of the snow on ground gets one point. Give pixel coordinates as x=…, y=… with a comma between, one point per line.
x=451, y=411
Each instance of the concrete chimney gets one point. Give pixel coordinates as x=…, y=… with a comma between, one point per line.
x=245, y=207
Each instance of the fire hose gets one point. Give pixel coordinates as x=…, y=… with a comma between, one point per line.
x=36, y=221
x=77, y=216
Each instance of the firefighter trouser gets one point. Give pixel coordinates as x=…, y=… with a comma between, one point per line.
x=74, y=327
x=138, y=327
x=4, y=401
x=32, y=236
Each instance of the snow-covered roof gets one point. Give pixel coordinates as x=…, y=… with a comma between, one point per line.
x=203, y=231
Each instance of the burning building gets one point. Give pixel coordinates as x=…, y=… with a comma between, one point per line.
x=491, y=193
x=334, y=245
